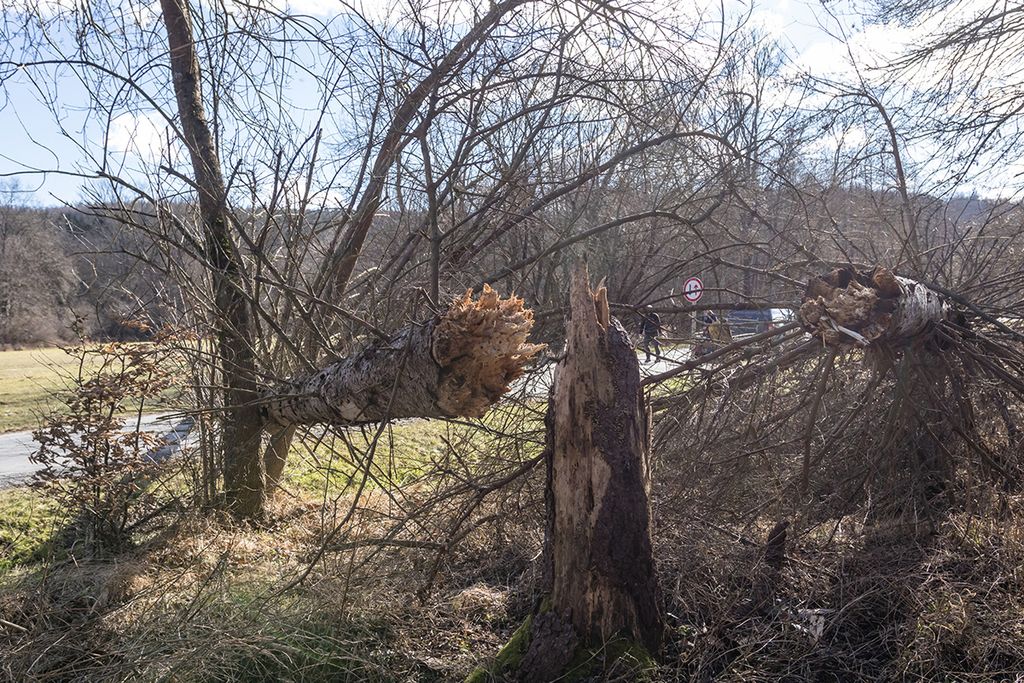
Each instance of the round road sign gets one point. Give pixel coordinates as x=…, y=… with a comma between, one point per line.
x=693, y=290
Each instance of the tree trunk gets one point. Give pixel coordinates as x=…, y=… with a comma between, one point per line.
x=848, y=307
x=603, y=612
x=241, y=422
x=276, y=455
x=456, y=364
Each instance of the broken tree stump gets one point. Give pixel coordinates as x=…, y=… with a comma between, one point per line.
x=602, y=612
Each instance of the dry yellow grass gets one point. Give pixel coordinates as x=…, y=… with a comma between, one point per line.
x=27, y=381
x=31, y=382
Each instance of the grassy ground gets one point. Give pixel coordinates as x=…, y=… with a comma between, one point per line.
x=27, y=380
x=202, y=599
x=27, y=521
x=403, y=450
x=198, y=599
x=316, y=468
x=31, y=381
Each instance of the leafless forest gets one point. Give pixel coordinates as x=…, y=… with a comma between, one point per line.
x=391, y=263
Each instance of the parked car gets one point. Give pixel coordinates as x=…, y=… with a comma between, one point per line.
x=745, y=322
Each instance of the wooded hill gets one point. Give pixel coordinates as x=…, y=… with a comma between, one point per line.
x=68, y=273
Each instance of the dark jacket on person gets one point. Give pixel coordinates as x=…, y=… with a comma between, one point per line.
x=650, y=324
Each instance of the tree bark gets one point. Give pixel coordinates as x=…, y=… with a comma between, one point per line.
x=276, y=455
x=871, y=308
x=241, y=423
x=456, y=364
x=599, y=559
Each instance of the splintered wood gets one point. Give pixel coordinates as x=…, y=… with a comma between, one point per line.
x=457, y=364
x=481, y=344
x=848, y=307
x=598, y=556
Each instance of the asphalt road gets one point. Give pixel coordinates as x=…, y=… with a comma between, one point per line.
x=670, y=358
x=537, y=384
x=16, y=447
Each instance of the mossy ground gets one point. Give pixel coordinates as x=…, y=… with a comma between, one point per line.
x=508, y=658
x=621, y=658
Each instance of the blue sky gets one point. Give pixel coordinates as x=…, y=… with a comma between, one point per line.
x=810, y=33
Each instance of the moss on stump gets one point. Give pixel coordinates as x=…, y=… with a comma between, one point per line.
x=621, y=657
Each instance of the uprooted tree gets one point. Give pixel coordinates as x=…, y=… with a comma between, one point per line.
x=602, y=612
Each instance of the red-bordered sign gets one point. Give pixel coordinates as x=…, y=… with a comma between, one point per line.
x=693, y=290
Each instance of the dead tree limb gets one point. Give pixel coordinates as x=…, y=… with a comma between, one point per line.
x=458, y=363
x=724, y=351
x=848, y=307
x=904, y=319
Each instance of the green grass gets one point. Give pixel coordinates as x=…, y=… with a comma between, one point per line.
x=27, y=522
x=31, y=382
x=409, y=449
x=28, y=380
x=403, y=452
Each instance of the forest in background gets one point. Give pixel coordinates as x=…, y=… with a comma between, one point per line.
x=74, y=274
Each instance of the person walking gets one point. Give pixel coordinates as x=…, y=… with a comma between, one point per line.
x=650, y=328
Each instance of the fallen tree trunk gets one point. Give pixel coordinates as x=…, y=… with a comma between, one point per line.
x=848, y=307
x=602, y=614
x=876, y=309
x=458, y=363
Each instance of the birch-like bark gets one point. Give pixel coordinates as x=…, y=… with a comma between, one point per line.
x=871, y=308
x=456, y=364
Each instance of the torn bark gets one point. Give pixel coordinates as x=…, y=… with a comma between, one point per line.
x=456, y=364
x=849, y=307
x=599, y=559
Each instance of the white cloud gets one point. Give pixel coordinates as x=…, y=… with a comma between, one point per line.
x=137, y=135
x=774, y=19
